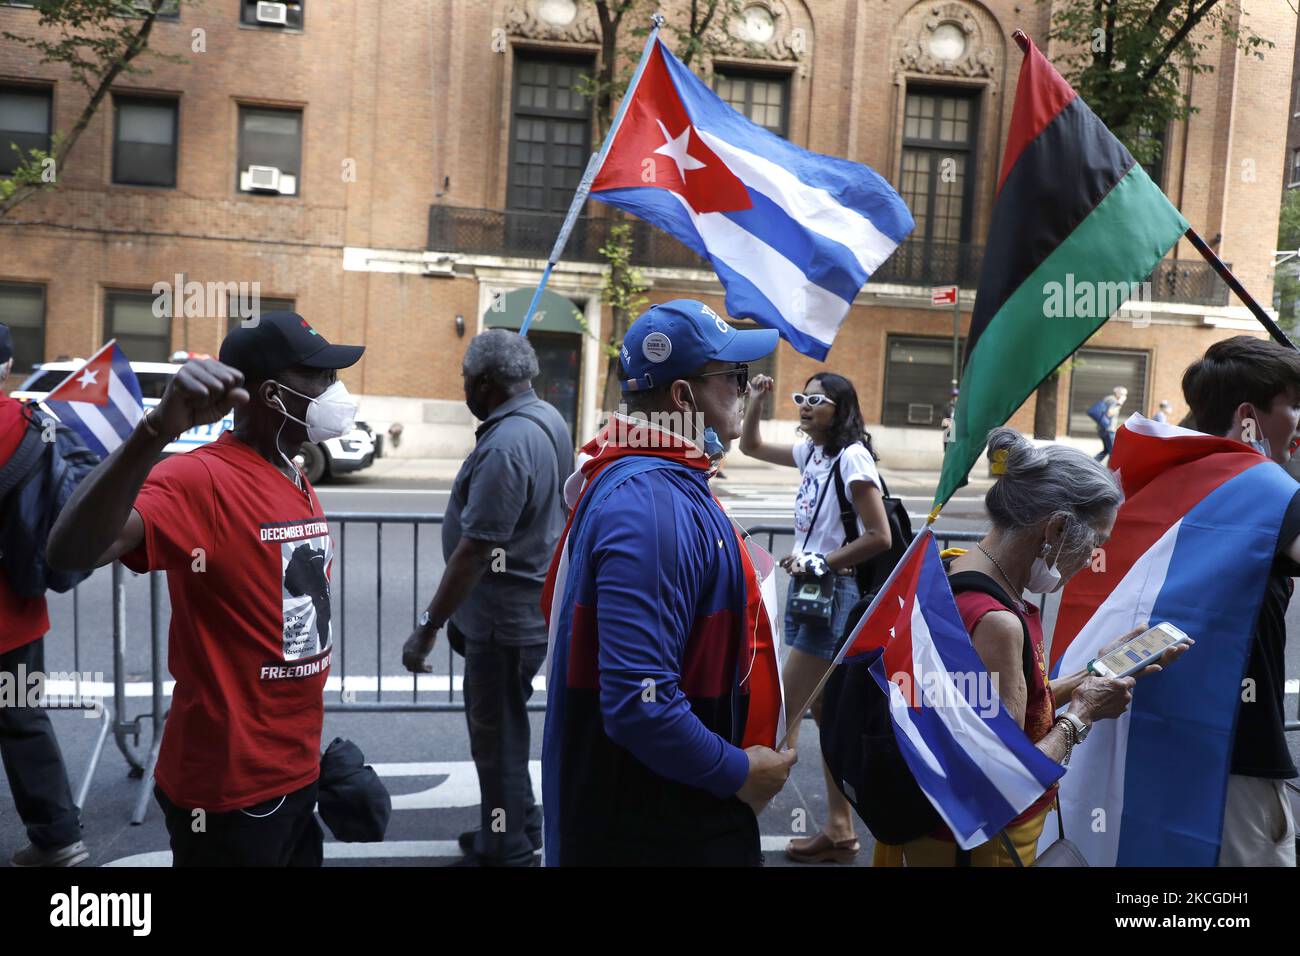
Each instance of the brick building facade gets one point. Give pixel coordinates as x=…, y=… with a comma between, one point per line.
x=422, y=153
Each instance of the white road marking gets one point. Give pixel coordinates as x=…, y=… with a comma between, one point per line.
x=361, y=683
x=387, y=850
x=459, y=789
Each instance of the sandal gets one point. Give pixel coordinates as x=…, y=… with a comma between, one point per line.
x=820, y=849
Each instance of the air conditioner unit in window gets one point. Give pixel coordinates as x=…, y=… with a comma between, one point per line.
x=268, y=179
x=272, y=13
x=920, y=413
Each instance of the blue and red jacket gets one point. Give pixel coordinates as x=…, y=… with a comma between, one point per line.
x=656, y=682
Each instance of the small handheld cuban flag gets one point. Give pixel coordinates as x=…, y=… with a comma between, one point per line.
x=972, y=761
x=101, y=400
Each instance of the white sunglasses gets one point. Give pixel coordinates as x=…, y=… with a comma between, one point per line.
x=812, y=401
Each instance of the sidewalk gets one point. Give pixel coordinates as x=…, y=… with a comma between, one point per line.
x=737, y=467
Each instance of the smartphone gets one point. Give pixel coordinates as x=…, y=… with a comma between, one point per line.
x=1131, y=656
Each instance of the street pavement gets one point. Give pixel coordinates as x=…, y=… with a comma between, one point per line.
x=382, y=579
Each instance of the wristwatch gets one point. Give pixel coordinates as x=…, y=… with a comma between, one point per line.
x=425, y=619
x=1080, y=728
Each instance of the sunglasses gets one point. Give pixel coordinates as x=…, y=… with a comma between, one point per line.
x=740, y=371
x=812, y=401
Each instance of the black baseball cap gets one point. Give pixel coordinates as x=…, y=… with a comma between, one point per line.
x=280, y=340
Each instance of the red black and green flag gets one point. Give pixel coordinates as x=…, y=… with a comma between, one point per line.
x=1075, y=216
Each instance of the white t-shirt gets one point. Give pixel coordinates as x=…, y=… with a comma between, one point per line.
x=856, y=465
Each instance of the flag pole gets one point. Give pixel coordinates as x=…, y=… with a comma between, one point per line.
x=1235, y=285
x=589, y=174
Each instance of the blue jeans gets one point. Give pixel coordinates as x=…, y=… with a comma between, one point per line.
x=1107, y=442
x=819, y=638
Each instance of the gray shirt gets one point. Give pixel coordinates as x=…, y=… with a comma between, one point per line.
x=508, y=492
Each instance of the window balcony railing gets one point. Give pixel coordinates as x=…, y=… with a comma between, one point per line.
x=530, y=235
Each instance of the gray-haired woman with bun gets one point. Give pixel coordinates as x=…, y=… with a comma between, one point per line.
x=1050, y=508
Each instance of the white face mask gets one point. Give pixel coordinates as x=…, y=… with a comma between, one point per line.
x=1042, y=579
x=331, y=414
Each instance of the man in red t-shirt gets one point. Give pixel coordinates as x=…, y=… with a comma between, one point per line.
x=248, y=554
x=32, y=760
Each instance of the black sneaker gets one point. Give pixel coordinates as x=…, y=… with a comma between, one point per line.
x=466, y=840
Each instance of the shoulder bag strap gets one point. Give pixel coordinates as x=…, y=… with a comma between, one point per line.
x=821, y=496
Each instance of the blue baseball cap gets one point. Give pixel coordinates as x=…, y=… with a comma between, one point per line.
x=673, y=339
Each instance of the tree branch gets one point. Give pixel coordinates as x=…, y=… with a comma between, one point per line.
x=114, y=69
x=1194, y=17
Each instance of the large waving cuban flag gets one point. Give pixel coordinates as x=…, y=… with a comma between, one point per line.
x=969, y=757
x=1192, y=545
x=101, y=400
x=792, y=234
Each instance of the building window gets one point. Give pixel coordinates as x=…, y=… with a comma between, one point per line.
x=274, y=16
x=170, y=9
x=25, y=120
x=550, y=134
x=22, y=308
x=760, y=96
x=141, y=335
x=144, y=141
x=938, y=147
x=1095, y=374
x=234, y=318
x=1294, y=179
x=270, y=150
x=1156, y=168
x=918, y=381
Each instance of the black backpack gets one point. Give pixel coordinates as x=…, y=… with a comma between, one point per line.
x=35, y=484
x=871, y=575
x=857, y=735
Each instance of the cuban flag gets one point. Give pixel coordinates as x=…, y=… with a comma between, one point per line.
x=101, y=400
x=792, y=234
x=1192, y=545
x=968, y=755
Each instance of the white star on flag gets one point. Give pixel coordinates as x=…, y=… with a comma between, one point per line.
x=678, y=150
x=88, y=377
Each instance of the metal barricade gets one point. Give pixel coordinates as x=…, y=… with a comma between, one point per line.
x=128, y=730
x=347, y=698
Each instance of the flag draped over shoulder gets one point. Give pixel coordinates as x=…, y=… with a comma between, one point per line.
x=969, y=757
x=1076, y=224
x=101, y=401
x=1192, y=545
x=792, y=234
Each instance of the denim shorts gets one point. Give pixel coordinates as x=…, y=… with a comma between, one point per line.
x=819, y=638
